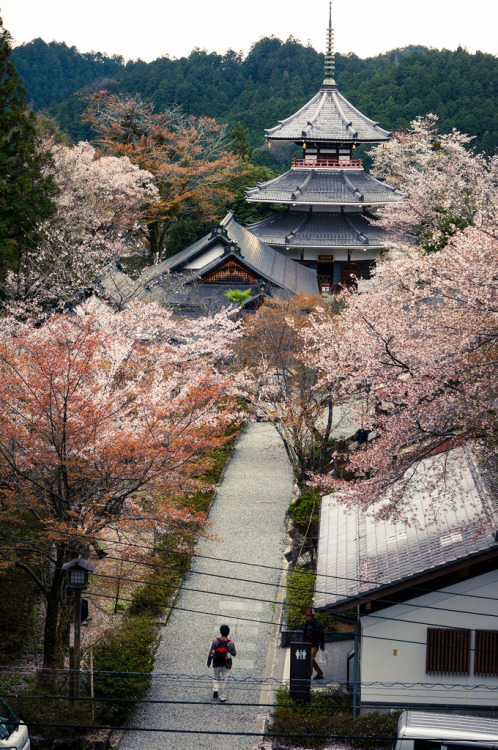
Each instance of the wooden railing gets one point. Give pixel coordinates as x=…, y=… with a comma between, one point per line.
x=317, y=163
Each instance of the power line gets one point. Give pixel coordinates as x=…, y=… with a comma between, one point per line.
x=194, y=555
x=225, y=733
x=229, y=616
x=180, y=679
x=182, y=587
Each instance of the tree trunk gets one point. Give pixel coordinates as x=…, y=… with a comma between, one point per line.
x=153, y=238
x=53, y=657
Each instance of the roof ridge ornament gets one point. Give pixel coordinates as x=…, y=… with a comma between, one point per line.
x=330, y=54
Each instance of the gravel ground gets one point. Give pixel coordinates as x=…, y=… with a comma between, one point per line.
x=248, y=519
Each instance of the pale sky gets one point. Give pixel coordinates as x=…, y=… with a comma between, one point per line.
x=149, y=29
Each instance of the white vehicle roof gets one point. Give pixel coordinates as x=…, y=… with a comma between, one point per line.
x=450, y=727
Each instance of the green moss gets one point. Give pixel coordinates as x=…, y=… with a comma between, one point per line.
x=300, y=588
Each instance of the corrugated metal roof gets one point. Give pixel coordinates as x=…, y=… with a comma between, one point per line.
x=358, y=555
x=324, y=186
x=307, y=229
x=329, y=118
x=422, y=724
x=262, y=259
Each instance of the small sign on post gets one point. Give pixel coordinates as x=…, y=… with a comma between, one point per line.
x=300, y=671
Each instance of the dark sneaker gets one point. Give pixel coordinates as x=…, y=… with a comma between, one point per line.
x=318, y=677
x=215, y=693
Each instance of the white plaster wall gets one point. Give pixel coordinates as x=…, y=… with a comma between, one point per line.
x=340, y=254
x=407, y=627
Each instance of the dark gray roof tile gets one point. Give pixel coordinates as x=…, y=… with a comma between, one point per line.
x=329, y=118
x=262, y=259
x=305, y=186
x=384, y=553
x=305, y=229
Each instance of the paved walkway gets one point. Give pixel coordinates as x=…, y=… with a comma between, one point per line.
x=248, y=518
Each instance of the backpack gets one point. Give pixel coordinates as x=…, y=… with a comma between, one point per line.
x=221, y=655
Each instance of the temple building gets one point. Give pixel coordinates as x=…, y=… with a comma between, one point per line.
x=195, y=281
x=330, y=199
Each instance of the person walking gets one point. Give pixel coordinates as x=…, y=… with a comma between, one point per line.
x=313, y=633
x=220, y=654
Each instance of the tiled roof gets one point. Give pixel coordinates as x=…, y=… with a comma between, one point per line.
x=358, y=555
x=256, y=255
x=307, y=229
x=328, y=118
x=324, y=186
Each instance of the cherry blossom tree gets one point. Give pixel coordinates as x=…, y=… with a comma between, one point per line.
x=447, y=187
x=103, y=418
x=284, y=390
x=187, y=155
x=424, y=340
x=98, y=206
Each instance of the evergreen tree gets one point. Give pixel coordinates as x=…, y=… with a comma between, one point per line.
x=24, y=190
x=240, y=142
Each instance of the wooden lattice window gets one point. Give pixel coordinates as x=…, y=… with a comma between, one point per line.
x=231, y=273
x=486, y=653
x=448, y=651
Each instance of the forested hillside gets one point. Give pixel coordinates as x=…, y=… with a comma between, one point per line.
x=53, y=72
x=274, y=80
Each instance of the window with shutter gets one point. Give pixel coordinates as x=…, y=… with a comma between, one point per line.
x=448, y=651
x=486, y=653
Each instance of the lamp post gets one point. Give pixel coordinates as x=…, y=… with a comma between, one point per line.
x=78, y=571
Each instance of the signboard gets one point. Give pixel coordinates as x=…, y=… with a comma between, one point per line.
x=300, y=671
x=325, y=258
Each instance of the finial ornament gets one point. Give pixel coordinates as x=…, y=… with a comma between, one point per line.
x=330, y=56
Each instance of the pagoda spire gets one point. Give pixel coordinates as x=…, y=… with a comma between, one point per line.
x=330, y=55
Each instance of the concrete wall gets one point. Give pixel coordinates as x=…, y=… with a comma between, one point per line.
x=393, y=648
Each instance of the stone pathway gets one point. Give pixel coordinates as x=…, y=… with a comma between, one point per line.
x=248, y=519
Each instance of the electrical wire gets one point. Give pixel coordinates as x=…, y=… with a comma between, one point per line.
x=194, y=555
x=182, y=587
x=225, y=733
x=229, y=616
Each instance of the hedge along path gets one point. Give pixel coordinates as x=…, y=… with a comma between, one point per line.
x=248, y=517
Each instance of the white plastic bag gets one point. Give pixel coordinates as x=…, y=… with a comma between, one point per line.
x=322, y=657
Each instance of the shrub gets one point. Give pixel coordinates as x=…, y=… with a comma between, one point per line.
x=16, y=613
x=129, y=648
x=374, y=724
x=300, y=588
x=329, y=713
x=305, y=512
x=326, y=713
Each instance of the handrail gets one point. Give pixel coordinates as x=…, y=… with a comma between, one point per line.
x=335, y=163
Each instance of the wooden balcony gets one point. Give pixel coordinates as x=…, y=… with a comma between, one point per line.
x=328, y=163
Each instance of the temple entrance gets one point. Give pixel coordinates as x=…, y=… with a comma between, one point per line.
x=348, y=271
x=325, y=272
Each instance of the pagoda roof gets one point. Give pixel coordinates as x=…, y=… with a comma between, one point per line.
x=324, y=186
x=211, y=251
x=328, y=118
x=308, y=229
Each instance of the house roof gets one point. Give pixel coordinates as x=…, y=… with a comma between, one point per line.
x=263, y=261
x=307, y=229
x=360, y=558
x=308, y=186
x=328, y=118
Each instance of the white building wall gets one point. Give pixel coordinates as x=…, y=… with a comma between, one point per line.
x=393, y=648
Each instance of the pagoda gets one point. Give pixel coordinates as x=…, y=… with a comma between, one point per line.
x=330, y=199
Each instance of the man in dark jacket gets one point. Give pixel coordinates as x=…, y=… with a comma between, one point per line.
x=313, y=633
